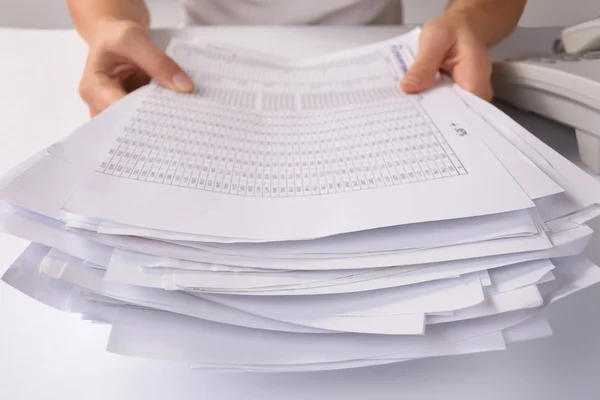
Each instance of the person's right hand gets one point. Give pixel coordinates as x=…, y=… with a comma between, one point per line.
x=121, y=59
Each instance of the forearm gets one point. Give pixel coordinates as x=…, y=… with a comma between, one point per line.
x=87, y=14
x=492, y=20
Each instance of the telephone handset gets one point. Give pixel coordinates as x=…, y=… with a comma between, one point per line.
x=580, y=38
x=564, y=86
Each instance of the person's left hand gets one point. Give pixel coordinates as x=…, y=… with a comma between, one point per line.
x=448, y=43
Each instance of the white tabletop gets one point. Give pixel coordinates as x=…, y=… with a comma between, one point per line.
x=48, y=354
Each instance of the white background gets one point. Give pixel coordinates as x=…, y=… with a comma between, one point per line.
x=54, y=14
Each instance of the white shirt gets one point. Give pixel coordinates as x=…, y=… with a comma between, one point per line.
x=293, y=12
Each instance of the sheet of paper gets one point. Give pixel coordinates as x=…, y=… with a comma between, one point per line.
x=513, y=249
x=152, y=334
x=527, y=297
x=436, y=296
x=23, y=276
x=422, y=256
x=536, y=327
x=305, y=279
x=572, y=274
x=490, y=342
x=56, y=170
x=407, y=237
x=125, y=269
x=516, y=276
x=299, y=155
x=583, y=189
x=74, y=273
x=534, y=181
x=50, y=232
x=433, y=297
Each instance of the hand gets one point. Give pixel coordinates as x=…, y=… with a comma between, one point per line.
x=121, y=59
x=449, y=44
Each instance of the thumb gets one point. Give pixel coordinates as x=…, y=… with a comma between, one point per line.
x=434, y=45
x=157, y=64
x=474, y=71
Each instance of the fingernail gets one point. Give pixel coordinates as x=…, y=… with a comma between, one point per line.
x=182, y=83
x=411, y=81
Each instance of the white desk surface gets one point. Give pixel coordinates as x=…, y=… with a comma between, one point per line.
x=46, y=354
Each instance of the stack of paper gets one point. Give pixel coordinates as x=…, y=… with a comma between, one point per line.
x=302, y=215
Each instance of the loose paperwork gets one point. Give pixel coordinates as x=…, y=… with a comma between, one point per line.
x=300, y=216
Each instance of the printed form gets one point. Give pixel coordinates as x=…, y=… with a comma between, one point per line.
x=270, y=149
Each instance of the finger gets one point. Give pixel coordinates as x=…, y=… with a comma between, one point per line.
x=473, y=74
x=100, y=91
x=434, y=44
x=94, y=112
x=483, y=90
x=135, y=81
x=139, y=48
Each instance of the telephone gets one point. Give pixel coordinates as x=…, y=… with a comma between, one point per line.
x=563, y=86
